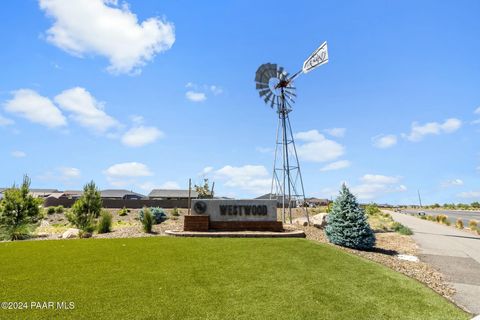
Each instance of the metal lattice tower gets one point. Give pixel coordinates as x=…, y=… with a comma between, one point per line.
x=276, y=88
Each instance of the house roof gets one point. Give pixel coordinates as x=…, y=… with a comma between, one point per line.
x=172, y=193
x=73, y=192
x=118, y=193
x=56, y=195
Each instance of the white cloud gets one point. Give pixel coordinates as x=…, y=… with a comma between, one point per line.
x=477, y=111
x=216, y=90
x=198, y=93
x=101, y=27
x=470, y=195
x=170, y=185
x=336, y=132
x=317, y=148
x=18, y=154
x=35, y=108
x=206, y=171
x=418, y=132
x=375, y=185
x=86, y=110
x=140, y=136
x=196, y=96
x=250, y=178
x=67, y=173
x=128, y=170
x=450, y=183
x=337, y=165
x=378, y=178
x=62, y=174
x=5, y=121
x=384, y=141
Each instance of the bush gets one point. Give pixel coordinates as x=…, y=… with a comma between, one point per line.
x=430, y=218
x=105, y=222
x=459, y=224
x=87, y=208
x=123, y=212
x=51, y=210
x=400, y=228
x=59, y=209
x=441, y=218
x=158, y=214
x=372, y=209
x=175, y=212
x=347, y=223
x=423, y=217
x=18, y=211
x=147, y=220
x=472, y=224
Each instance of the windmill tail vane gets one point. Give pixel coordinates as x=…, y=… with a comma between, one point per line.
x=275, y=88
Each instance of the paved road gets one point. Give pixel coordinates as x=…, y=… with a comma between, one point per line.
x=453, y=215
x=454, y=252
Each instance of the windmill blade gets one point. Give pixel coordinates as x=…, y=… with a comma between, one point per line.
x=264, y=92
x=267, y=96
x=261, y=86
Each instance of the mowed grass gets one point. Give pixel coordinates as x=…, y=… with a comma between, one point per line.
x=194, y=278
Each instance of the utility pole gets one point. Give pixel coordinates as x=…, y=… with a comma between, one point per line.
x=419, y=199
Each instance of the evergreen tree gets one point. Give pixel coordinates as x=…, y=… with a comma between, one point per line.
x=347, y=224
x=87, y=208
x=18, y=211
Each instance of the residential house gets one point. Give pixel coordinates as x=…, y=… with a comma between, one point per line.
x=120, y=194
x=171, y=194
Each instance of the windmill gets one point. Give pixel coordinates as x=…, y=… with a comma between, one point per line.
x=275, y=87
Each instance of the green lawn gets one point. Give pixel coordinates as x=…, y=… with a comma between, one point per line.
x=193, y=278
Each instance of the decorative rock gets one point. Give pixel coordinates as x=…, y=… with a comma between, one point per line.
x=70, y=233
x=319, y=220
x=407, y=257
x=301, y=221
x=44, y=223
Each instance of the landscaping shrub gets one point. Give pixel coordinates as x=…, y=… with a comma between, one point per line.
x=87, y=208
x=372, y=209
x=175, y=212
x=423, y=217
x=400, y=228
x=51, y=210
x=347, y=223
x=158, y=214
x=147, y=220
x=459, y=224
x=430, y=218
x=59, y=209
x=105, y=222
x=441, y=218
x=18, y=211
x=123, y=212
x=472, y=224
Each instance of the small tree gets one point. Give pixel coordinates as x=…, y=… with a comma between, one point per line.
x=347, y=223
x=204, y=190
x=87, y=208
x=18, y=211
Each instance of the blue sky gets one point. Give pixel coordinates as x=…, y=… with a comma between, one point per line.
x=144, y=94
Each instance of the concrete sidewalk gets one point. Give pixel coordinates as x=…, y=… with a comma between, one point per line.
x=454, y=252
